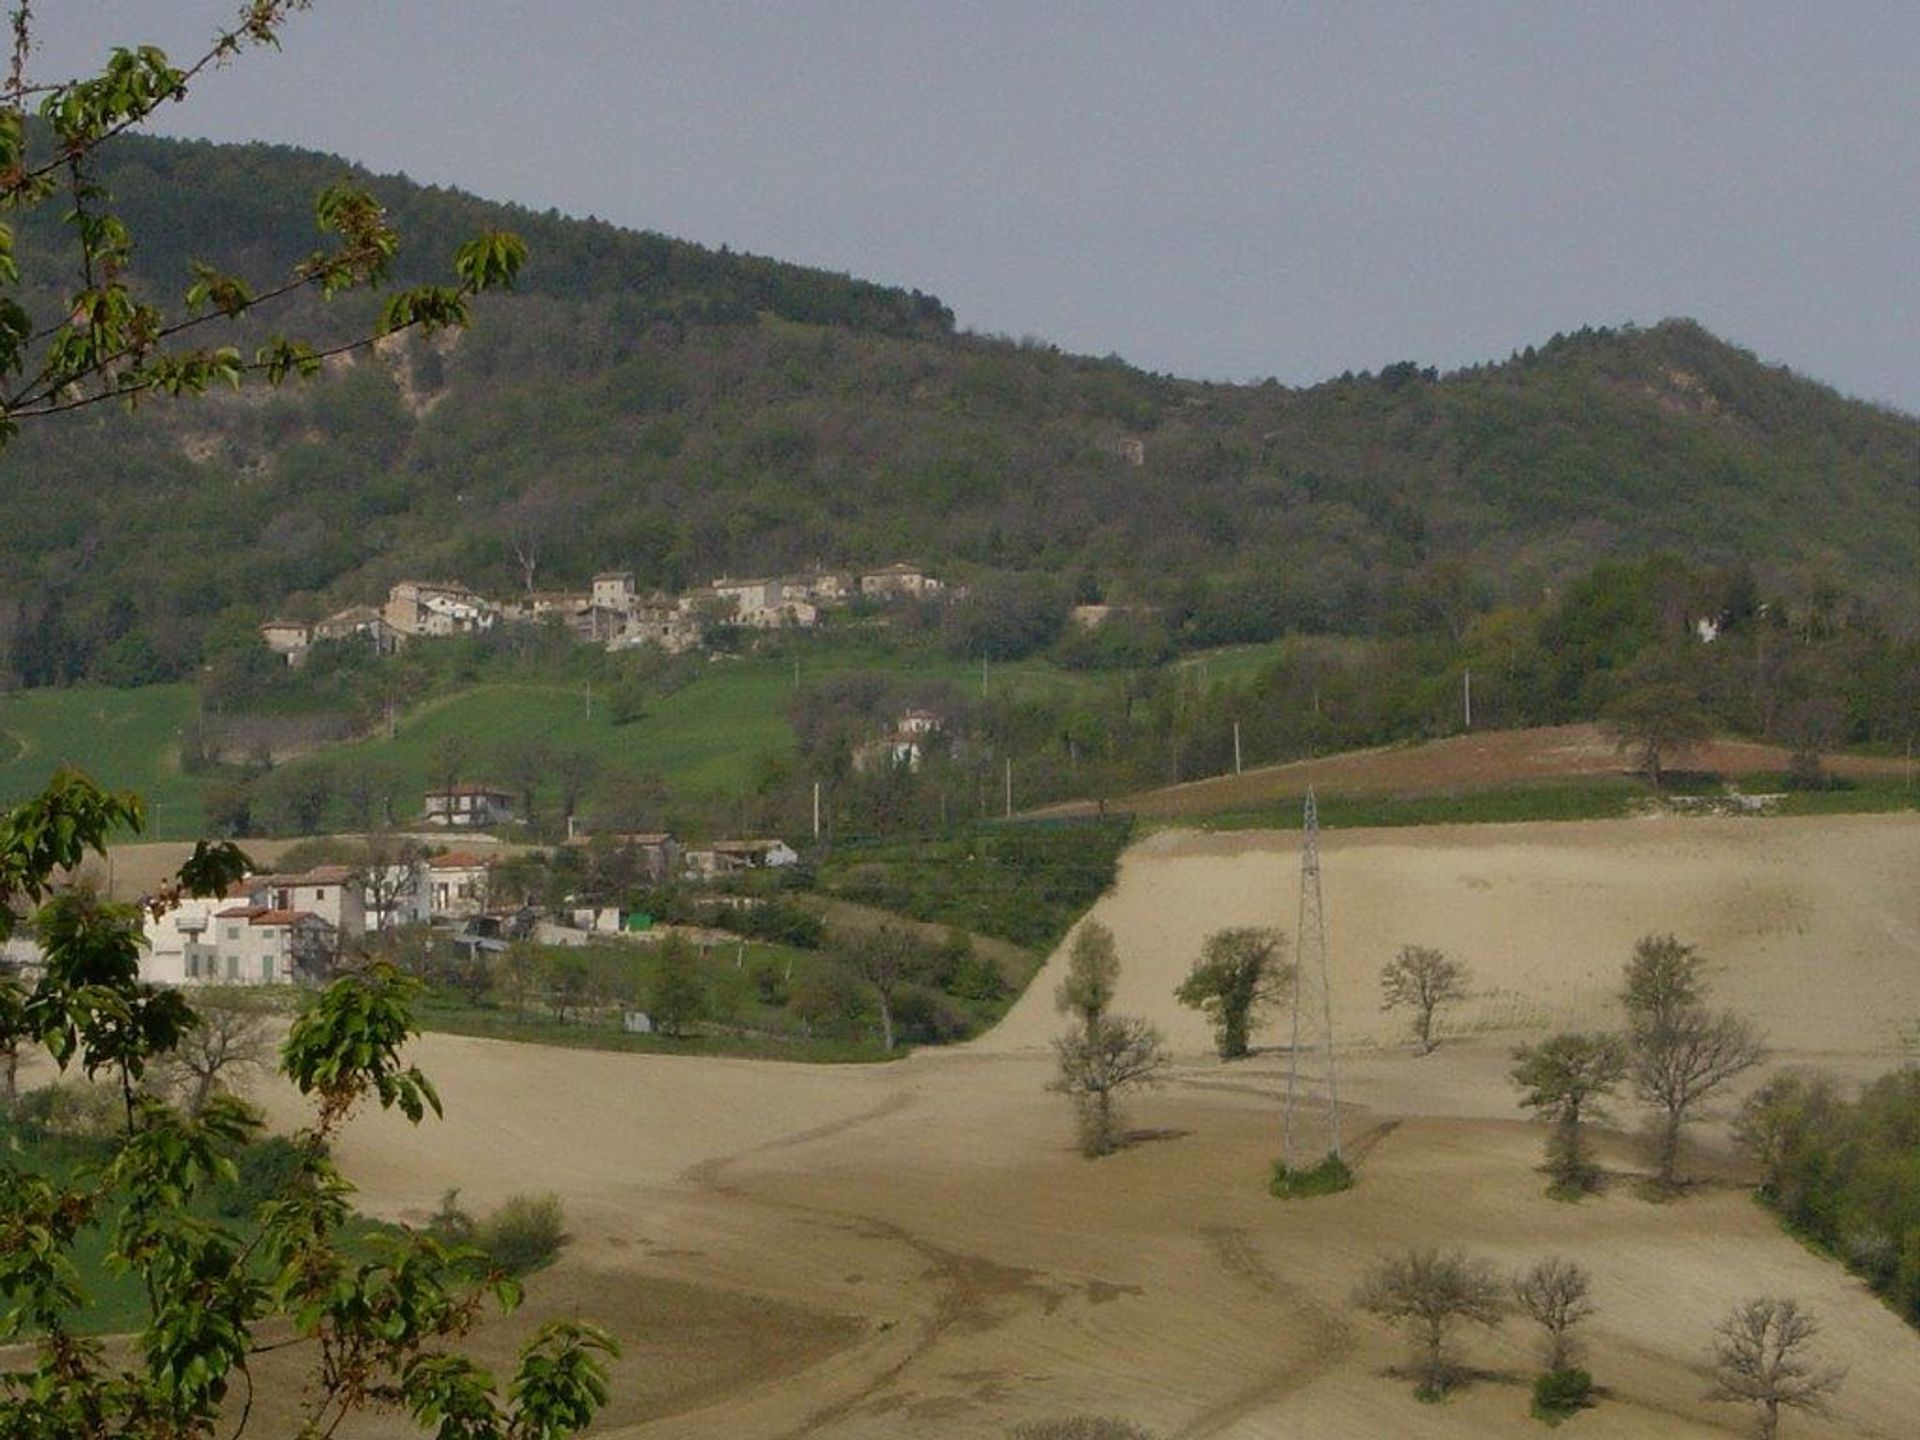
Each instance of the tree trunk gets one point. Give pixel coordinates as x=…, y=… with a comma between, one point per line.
x=1669, y=1151
x=12, y=1091
x=1436, y=1371
x=201, y=1091
x=1426, y=1029
x=886, y=1021
x=1233, y=1034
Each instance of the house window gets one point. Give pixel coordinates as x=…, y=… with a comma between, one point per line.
x=233, y=932
x=319, y=896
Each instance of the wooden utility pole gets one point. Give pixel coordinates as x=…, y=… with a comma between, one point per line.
x=816, y=810
x=1009, y=787
x=1236, y=747
x=1466, y=693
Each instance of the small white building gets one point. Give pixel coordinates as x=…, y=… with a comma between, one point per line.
x=172, y=936
x=469, y=807
x=289, y=639
x=613, y=590
x=457, y=885
x=749, y=597
x=898, y=581
x=333, y=892
x=729, y=857
x=417, y=607
x=252, y=945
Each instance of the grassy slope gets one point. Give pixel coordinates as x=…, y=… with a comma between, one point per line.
x=128, y=739
x=705, y=737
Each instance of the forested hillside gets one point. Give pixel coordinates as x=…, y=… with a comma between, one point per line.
x=650, y=404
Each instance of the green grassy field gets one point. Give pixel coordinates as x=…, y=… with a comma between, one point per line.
x=127, y=739
x=706, y=736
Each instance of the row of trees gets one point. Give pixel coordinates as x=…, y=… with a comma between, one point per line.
x=1762, y=1352
x=1675, y=1051
x=1240, y=974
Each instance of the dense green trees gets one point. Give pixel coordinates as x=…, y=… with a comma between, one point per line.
x=1240, y=973
x=680, y=413
x=1845, y=1172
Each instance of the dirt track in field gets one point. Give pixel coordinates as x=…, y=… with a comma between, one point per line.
x=916, y=1250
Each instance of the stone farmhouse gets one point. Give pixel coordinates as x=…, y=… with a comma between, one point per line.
x=415, y=608
x=282, y=929
x=469, y=807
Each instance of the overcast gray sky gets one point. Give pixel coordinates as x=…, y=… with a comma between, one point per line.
x=1221, y=190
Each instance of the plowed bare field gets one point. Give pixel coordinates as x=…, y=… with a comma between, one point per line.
x=915, y=1249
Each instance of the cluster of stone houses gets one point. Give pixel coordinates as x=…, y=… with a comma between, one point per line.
x=288, y=928
x=279, y=928
x=613, y=613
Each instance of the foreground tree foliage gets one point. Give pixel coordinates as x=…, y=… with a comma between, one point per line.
x=1563, y=1079
x=1430, y=1292
x=105, y=338
x=1240, y=974
x=1761, y=1359
x=379, y=1329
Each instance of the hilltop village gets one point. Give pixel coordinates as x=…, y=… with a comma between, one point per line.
x=613, y=613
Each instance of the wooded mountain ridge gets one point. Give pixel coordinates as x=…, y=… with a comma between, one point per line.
x=652, y=405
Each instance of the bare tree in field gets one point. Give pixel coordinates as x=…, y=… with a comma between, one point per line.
x=1680, y=1052
x=234, y=1038
x=1422, y=979
x=1564, y=1078
x=1093, y=970
x=1556, y=1294
x=1760, y=1359
x=1430, y=1292
x=886, y=958
x=1099, y=1062
x=447, y=757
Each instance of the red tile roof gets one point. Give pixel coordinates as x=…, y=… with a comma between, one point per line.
x=458, y=860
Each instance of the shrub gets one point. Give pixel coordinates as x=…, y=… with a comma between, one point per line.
x=72, y=1107
x=928, y=1017
x=1329, y=1177
x=1560, y=1393
x=451, y=1224
x=523, y=1234
x=769, y=983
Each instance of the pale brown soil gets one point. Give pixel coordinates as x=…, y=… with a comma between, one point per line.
x=1463, y=763
x=916, y=1249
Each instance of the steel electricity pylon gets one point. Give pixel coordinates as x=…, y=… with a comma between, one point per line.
x=1311, y=1082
